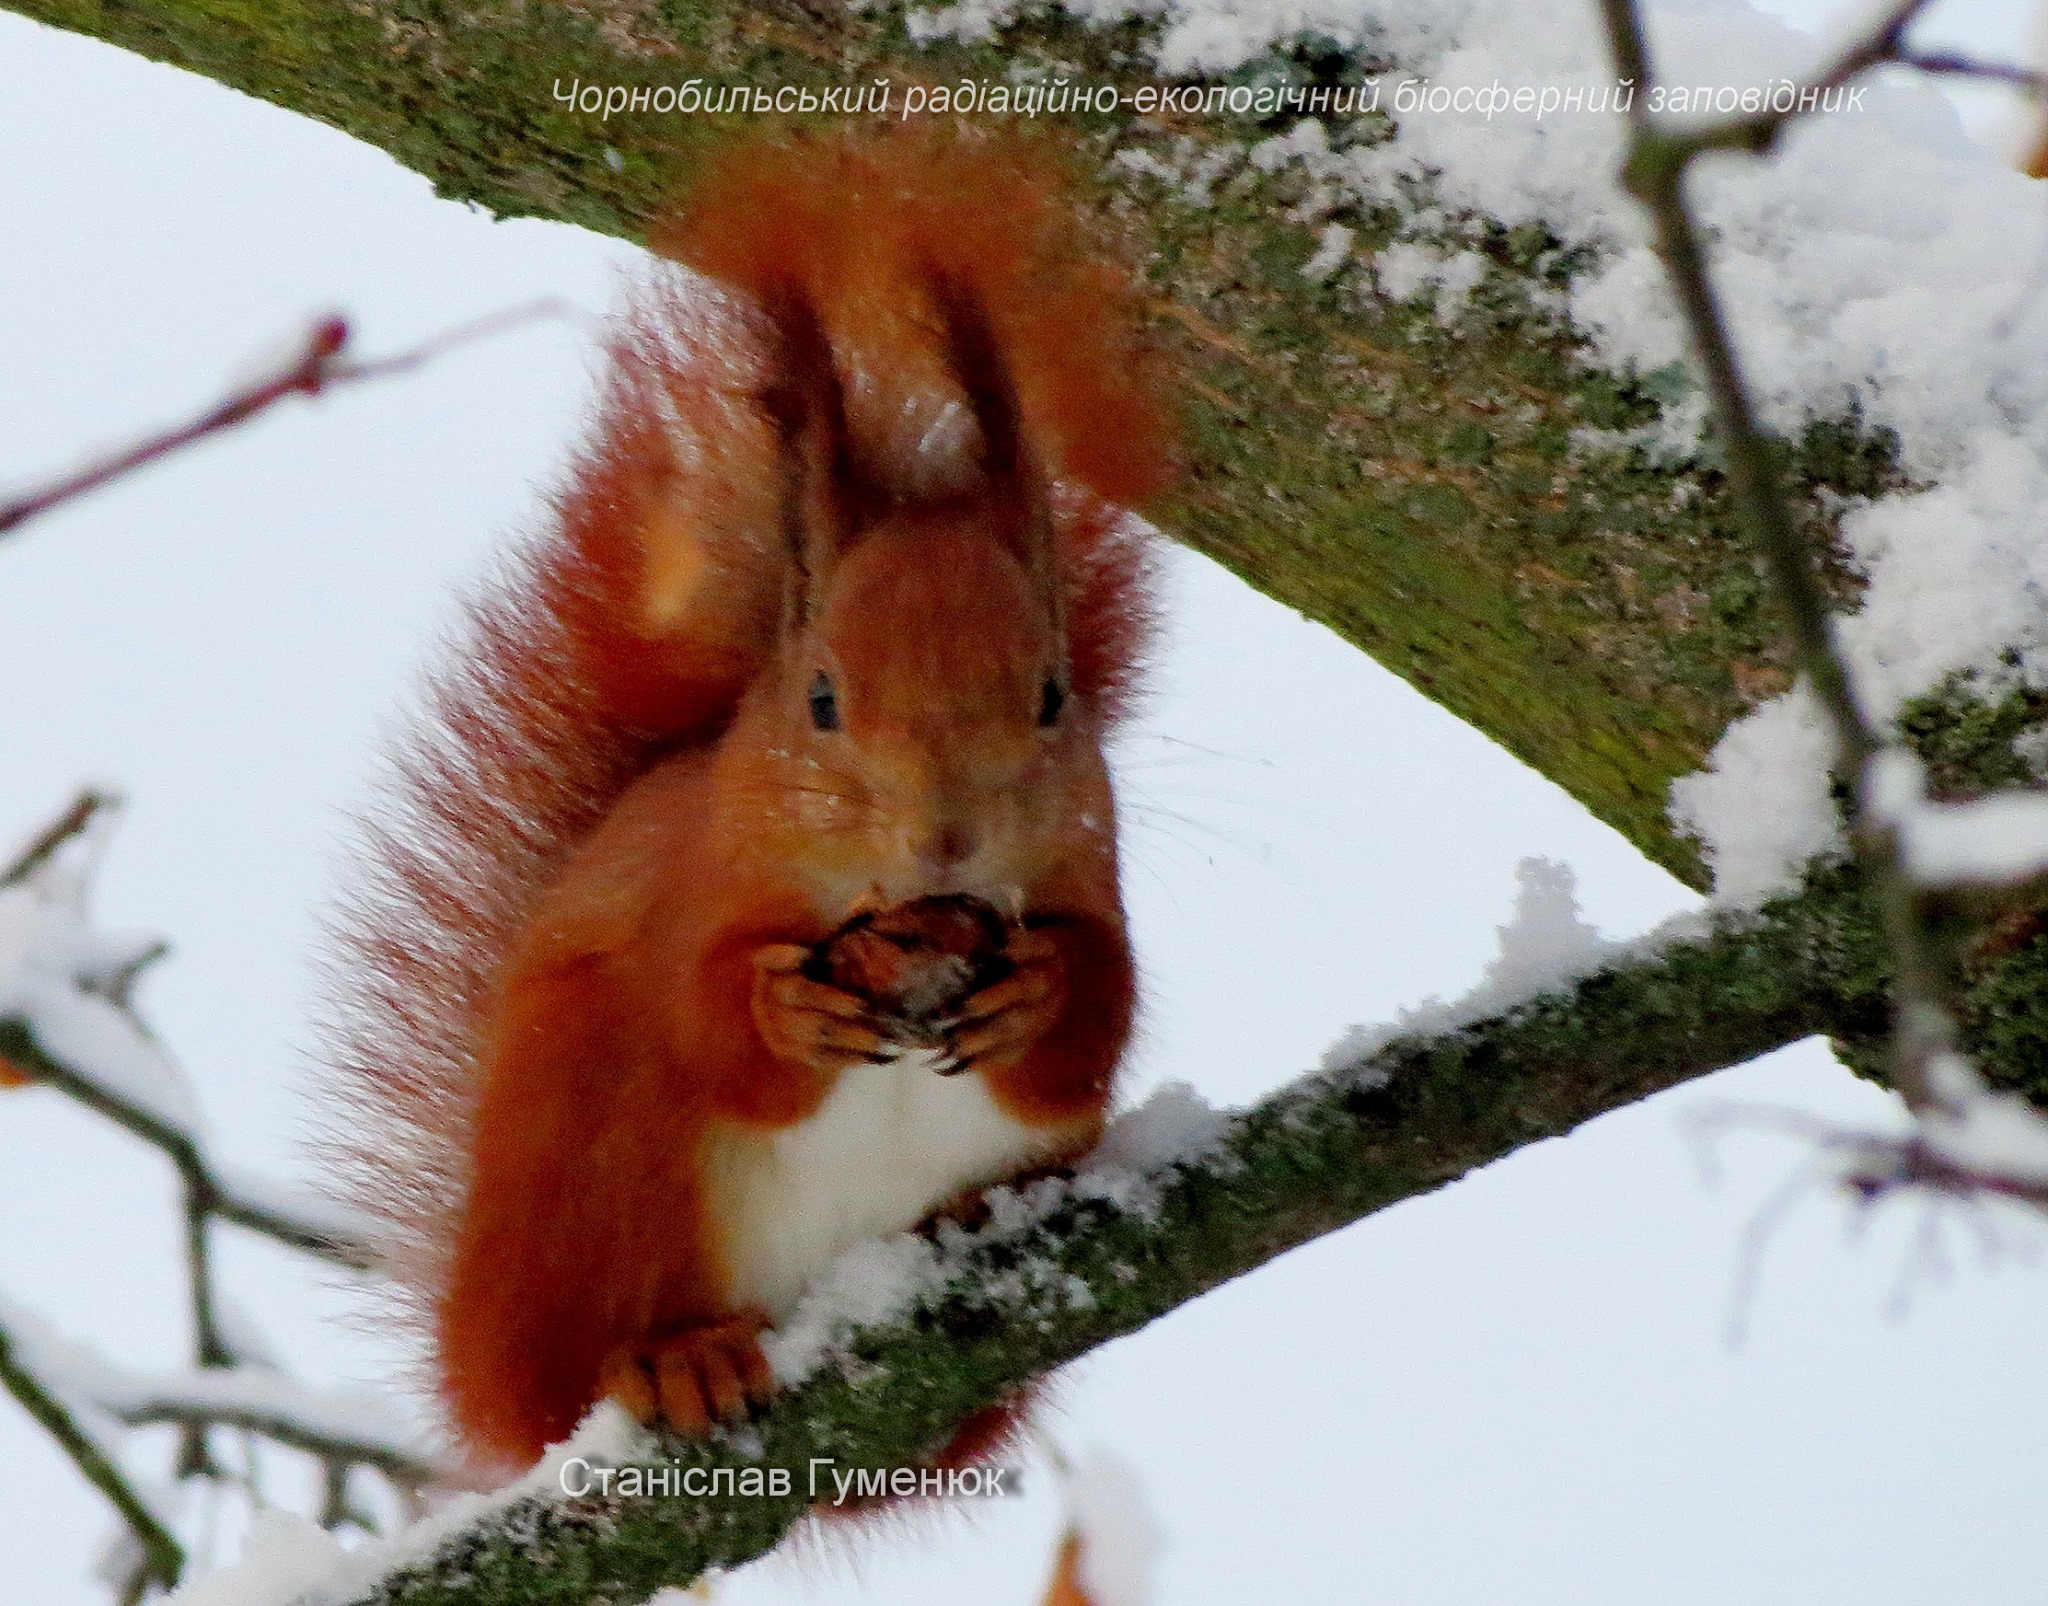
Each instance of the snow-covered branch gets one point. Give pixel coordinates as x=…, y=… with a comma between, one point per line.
x=1968, y=1137
x=160, y=1557
x=66, y=1022
x=347, y=1426
x=1339, y=394
x=908, y=1336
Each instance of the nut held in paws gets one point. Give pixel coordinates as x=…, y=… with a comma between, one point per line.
x=917, y=961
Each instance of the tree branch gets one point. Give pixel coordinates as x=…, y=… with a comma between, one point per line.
x=1351, y=457
x=327, y=1240
x=77, y=817
x=406, y=1468
x=1655, y=170
x=145, y=1094
x=1063, y=1268
x=1948, y=64
x=65, y=1020
x=1464, y=505
x=1969, y=1140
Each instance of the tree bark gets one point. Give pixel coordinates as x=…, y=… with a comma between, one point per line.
x=1417, y=492
x=1440, y=500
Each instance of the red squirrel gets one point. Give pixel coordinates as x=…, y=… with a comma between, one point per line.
x=833, y=615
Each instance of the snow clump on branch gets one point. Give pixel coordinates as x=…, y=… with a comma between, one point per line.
x=1879, y=265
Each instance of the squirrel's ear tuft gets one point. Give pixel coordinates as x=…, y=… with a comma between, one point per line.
x=1011, y=471
x=861, y=223
x=825, y=500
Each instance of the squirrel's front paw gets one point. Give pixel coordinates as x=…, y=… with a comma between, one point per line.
x=693, y=1378
x=810, y=1023
x=996, y=1027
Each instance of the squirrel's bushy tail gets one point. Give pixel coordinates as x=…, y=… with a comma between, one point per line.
x=634, y=621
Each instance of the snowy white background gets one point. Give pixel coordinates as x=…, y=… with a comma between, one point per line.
x=1520, y=1390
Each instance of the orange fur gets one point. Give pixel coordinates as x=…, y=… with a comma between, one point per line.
x=561, y=982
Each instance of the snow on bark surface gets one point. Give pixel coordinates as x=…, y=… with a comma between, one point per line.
x=885, y=1279
x=291, y=1562
x=1763, y=807
x=1989, y=841
x=1880, y=261
x=1545, y=946
x=288, y=1561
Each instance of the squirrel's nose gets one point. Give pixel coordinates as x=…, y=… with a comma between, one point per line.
x=945, y=847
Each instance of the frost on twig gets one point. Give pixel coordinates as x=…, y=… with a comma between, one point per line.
x=158, y=1558
x=256, y=1397
x=65, y=1022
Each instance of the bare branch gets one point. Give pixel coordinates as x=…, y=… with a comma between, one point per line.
x=1655, y=170
x=1944, y=63
x=47, y=842
x=1883, y=42
x=317, y=366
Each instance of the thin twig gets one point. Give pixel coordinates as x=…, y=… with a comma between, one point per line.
x=81, y=812
x=18, y=1044
x=318, y=365
x=1946, y=63
x=1757, y=132
x=1655, y=170
x=206, y=1194
x=163, y=1556
x=336, y=1449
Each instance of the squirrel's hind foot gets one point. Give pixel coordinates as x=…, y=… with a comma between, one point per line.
x=691, y=1379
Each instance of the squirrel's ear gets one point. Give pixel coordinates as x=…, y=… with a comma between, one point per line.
x=1015, y=476
x=823, y=505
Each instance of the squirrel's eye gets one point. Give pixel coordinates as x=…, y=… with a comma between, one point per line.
x=1050, y=701
x=824, y=703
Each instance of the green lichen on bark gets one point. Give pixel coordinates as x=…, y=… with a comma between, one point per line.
x=1415, y=487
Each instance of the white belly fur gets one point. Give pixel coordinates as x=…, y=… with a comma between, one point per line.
x=891, y=1144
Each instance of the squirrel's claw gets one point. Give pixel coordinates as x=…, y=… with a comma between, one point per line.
x=625, y=1380
x=998, y=1025
x=810, y=1023
x=694, y=1378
